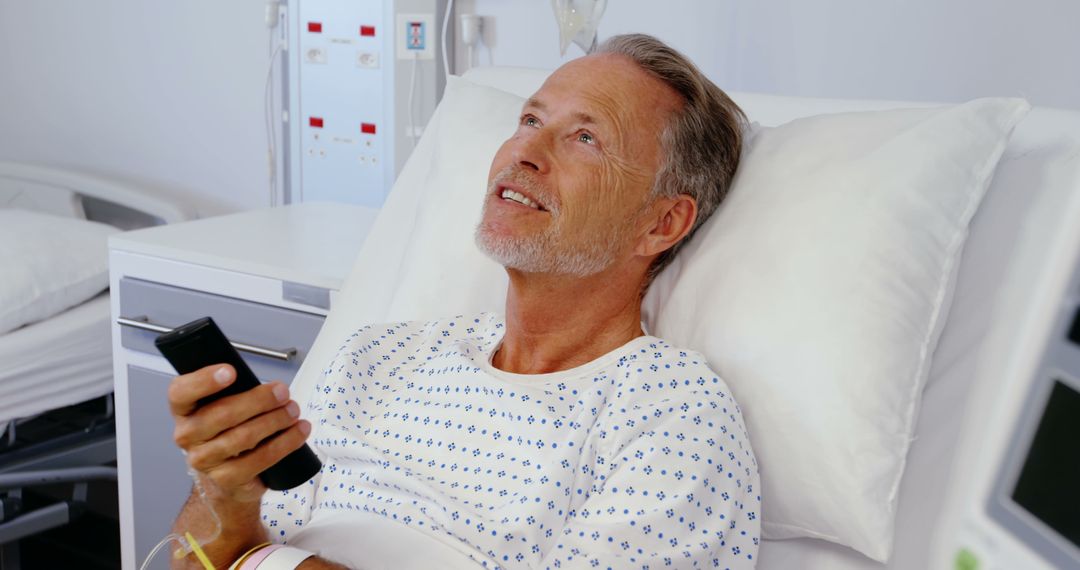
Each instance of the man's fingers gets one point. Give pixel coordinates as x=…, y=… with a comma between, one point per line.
x=205, y=423
x=186, y=390
x=236, y=473
x=242, y=438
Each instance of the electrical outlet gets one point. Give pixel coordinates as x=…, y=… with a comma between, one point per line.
x=315, y=55
x=415, y=36
x=367, y=59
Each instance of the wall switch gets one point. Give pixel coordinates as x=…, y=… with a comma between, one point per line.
x=415, y=36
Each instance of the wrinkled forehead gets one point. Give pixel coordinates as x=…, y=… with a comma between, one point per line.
x=611, y=87
x=612, y=75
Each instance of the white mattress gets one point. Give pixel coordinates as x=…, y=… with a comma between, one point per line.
x=57, y=362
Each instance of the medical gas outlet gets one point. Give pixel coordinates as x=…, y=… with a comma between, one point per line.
x=415, y=36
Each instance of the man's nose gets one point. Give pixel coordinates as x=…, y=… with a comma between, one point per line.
x=533, y=153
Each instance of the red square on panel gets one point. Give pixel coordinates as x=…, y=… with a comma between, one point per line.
x=314, y=27
x=367, y=128
x=315, y=122
x=367, y=31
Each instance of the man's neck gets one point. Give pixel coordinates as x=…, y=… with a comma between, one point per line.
x=556, y=323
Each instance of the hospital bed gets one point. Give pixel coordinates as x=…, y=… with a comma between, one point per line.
x=1035, y=180
x=56, y=381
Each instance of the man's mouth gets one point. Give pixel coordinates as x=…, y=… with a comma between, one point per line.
x=515, y=196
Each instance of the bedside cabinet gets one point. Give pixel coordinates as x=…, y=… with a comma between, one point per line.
x=267, y=277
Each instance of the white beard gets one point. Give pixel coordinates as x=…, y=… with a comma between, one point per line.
x=548, y=251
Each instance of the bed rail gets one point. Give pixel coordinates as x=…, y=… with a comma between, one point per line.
x=95, y=188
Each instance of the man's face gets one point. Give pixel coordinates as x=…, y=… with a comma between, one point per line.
x=567, y=190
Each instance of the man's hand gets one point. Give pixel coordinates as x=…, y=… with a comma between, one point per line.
x=230, y=441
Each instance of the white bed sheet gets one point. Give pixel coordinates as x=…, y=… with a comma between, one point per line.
x=57, y=362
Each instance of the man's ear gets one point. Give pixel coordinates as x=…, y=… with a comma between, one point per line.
x=670, y=219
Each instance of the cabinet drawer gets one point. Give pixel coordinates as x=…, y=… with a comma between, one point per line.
x=242, y=321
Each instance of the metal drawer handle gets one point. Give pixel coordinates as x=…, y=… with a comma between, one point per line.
x=143, y=323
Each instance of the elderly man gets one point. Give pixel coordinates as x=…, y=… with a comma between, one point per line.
x=560, y=435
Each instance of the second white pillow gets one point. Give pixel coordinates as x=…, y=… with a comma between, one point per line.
x=49, y=264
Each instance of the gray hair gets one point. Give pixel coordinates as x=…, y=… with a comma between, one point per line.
x=703, y=140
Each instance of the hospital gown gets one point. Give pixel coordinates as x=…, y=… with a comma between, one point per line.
x=638, y=459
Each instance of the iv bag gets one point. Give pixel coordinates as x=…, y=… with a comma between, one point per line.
x=577, y=22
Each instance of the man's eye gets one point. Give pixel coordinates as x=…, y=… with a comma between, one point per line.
x=530, y=122
x=586, y=138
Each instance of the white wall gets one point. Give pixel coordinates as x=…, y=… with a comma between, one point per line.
x=164, y=94
x=929, y=50
x=169, y=94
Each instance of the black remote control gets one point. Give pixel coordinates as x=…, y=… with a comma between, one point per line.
x=201, y=343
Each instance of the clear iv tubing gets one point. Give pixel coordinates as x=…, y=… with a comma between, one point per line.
x=185, y=547
x=268, y=117
x=412, y=103
x=445, y=26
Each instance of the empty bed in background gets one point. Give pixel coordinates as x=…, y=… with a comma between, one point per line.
x=56, y=382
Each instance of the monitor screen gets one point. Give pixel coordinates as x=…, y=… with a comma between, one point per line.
x=1049, y=482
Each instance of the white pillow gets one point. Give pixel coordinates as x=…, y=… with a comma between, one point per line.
x=817, y=291
x=49, y=264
